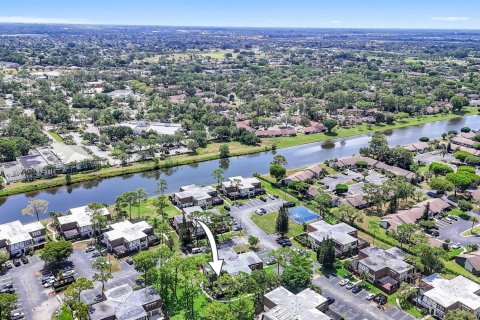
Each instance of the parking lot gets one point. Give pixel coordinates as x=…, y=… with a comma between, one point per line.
x=35, y=301
x=353, y=306
x=453, y=230
x=331, y=181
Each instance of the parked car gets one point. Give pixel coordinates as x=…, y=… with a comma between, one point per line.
x=49, y=283
x=453, y=218
x=7, y=286
x=350, y=285
x=433, y=233
x=344, y=282
x=8, y=265
x=96, y=254
x=261, y=211
x=263, y=199
x=380, y=299
x=7, y=290
x=129, y=261
x=289, y=204
x=286, y=244
x=270, y=261
x=68, y=273
x=236, y=227
x=276, y=196
x=89, y=249
x=356, y=289
x=370, y=296
x=16, y=262
x=49, y=279
x=432, y=194
x=455, y=246
x=227, y=208
x=197, y=250
x=330, y=300
x=24, y=260
x=16, y=315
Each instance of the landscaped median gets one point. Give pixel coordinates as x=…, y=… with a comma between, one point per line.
x=211, y=152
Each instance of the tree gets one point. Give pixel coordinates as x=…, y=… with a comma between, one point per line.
x=326, y=253
x=130, y=197
x=224, y=151
x=441, y=185
x=474, y=220
x=440, y=168
x=458, y=102
x=280, y=160
x=277, y=171
x=253, y=241
x=281, y=225
x=140, y=195
x=461, y=181
x=404, y=233
x=144, y=261
x=323, y=202
x=73, y=293
x=162, y=186
x=347, y=214
x=218, y=175
x=459, y=314
x=56, y=252
x=8, y=303
x=35, y=207
x=104, y=269
x=330, y=124
x=298, y=275
x=4, y=256
x=68, y=179
x=341, y=188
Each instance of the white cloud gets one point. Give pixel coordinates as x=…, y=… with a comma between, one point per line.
x=335, y=21
x=451, y=19
x=20, y=19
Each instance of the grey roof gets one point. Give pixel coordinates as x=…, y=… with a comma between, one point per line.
x=378, y=259
x=124, y=303
x=448, y=292
x=234, y=264
x=338, y=232
x=35, y=161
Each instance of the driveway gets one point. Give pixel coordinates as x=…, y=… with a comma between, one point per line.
x=331, y=181
x=452, y=231
x=243, y=216
x=354, y=306
x=34, y=300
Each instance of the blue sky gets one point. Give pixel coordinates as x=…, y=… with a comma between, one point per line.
x=434, y=14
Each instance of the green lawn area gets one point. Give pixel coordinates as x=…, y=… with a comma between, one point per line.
x=470, y=232
x=55, y=136
x=267, y=223
x=453, y=253
x=147, y=209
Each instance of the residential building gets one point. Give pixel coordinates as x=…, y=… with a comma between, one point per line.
x=18, y=239
x=124, y=303
x=126, y=237
x=344, y=237
x=234, y=263
x=78, y=222
x=193, y=195
x=281, y=304
x=157, y=127
x=240, y=187
x=419, y=147
x=414, y=214
x=470, y=261
x=384, y=268
x=312, y=172
x=440, y=295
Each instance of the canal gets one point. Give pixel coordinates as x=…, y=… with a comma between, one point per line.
x=106, y=190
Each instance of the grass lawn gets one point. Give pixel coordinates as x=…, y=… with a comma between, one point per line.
x=147, y=209
x=470, y=232
x=55, y=136
x=267, y=223
x=453, y=253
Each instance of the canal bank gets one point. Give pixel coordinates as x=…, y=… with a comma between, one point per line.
x=105, y=190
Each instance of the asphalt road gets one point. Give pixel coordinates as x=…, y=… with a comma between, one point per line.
x=452, y=231
x=354, y=306
x=242, y=215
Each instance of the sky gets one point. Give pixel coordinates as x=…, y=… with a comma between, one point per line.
x=422, y=14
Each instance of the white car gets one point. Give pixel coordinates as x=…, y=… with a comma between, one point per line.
x=260, y=211
x=344, y=282
x=48, y=284
x=370, y=296
x=68, y=273
x=455, y=246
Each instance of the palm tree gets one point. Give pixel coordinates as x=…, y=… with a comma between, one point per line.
x=474, y=221
x=140, y=195
x=49, y=170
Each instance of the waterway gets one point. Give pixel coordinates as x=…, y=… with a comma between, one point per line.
x=106, y=190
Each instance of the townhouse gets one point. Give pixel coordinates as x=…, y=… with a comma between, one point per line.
x=18, y=239
x=123, y=302
x=240, y=187
x=78, y=222
x=470, y=261
x=193, y=195
x=440, y=295
x=281, y=304
x=384, y=268
x=124, y=238
x=345, y=239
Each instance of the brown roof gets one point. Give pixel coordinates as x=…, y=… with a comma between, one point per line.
x=312, y=190
x=473, y=258
x=354, y=201
x=350, y=161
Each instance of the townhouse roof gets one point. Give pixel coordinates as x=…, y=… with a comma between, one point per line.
x=194, y=191
x=473, y=258
x=302, y=306
x=350, y=161
x=339, y=232
x=448, y=292
x=377, y=259
x=16, y=232
x=354, y=201
x=240, y=263
x=81, y=216
x=127, y=230
x=242, y=182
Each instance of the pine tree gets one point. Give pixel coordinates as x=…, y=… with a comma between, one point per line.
x=282, y=222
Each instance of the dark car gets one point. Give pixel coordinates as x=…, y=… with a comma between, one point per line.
x=226, y=208
x=434, y=233
x=129, y=261
x=330, y=300
x=276, y=196
x=24, y=260
x=281, y=240
x=380, y=299
x=356, y=289
x=289, y=204
x=16, y=262
x=453, y=217
x=263, y=199
x=7, y=286
x=7, y=290
x=286, y=244
x=432, y=194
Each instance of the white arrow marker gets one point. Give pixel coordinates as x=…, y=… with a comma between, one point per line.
x=216, y=264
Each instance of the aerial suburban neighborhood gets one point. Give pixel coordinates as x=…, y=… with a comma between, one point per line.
x=157, y=168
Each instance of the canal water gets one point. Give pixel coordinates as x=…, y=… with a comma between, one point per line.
x=106, y=190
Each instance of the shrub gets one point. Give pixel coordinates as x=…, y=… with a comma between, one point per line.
x=424, y=139
x=341, y=188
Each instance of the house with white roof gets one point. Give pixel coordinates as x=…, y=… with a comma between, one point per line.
x=440, y=295
x=18, y=239
x=125, y=237
x=193, y=195
x=240, y=187
x=78, y=222
x=281, y=304
x=344, y=237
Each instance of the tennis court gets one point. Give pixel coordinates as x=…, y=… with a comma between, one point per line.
x=302, y=215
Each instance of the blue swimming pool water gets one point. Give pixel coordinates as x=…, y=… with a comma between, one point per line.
x=302, y=215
